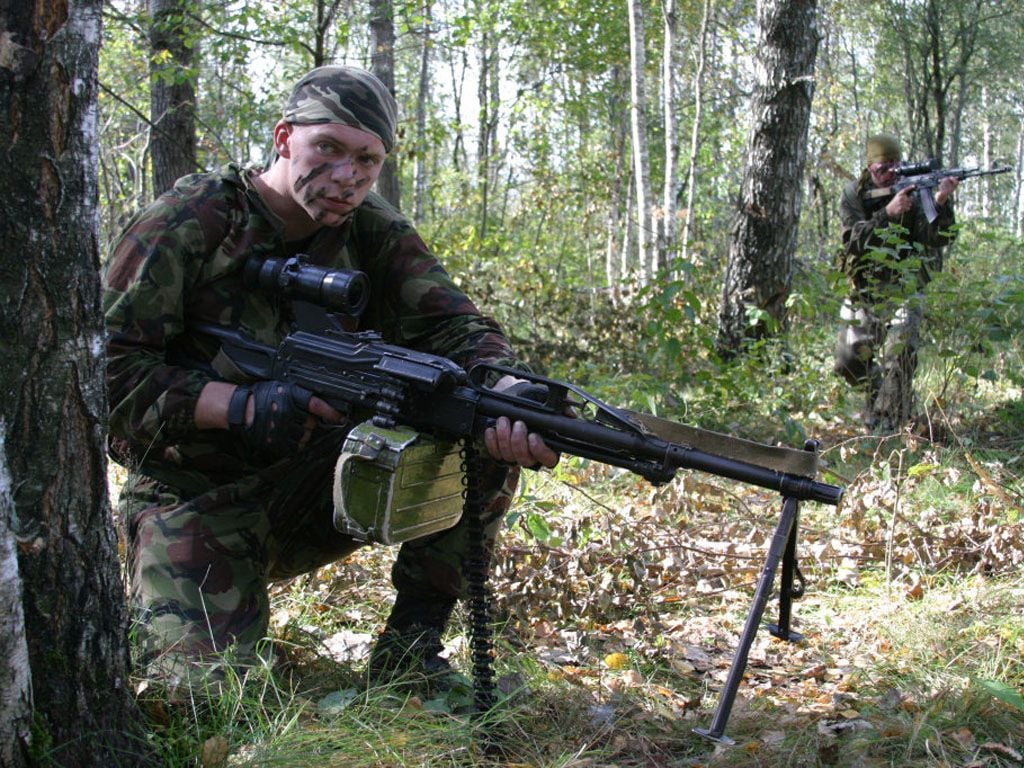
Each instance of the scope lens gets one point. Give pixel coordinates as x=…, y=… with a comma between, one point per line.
x=345, y=291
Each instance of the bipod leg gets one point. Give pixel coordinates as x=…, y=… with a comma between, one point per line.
x=786, y=590
x=780, y=539
x=790, y=570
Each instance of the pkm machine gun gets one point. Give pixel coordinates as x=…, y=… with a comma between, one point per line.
x=385, y=387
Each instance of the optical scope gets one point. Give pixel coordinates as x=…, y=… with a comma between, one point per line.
x=340, y=290
x=917, y=168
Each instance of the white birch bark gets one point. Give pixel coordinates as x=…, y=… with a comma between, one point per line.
x=667, y=230
x=15, y=673
x=638, y=120
x=698, y=102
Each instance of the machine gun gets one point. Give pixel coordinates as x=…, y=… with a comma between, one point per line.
x=389, y=386
x=924, y=176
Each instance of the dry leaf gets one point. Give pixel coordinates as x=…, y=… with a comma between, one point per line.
x=963, y=737
x=214, y=752
x=616, y=661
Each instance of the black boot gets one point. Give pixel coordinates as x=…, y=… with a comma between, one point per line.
x=409, y=648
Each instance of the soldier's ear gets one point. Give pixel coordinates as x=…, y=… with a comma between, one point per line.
x=282, y=136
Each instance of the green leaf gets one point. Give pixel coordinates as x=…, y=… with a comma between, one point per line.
x=920, y=470
x=1004, y=693
x=538, y=527
x=334, y=703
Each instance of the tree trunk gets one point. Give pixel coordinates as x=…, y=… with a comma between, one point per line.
x=615, y=266
x=698, y=112
x=54, y=394
x=667, y=231
x=382, y=62
x=759, y=271
x=419, y=173
x=172, y=98
x=638, y=114
x=15, y=674
x=489, y=102
x=939, y=40
x=1018, y=184
x=325, y=13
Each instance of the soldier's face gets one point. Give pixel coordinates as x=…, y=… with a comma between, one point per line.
x=883, y=174
x=331, y=167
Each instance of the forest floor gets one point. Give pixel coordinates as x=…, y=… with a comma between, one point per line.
x=620, y=607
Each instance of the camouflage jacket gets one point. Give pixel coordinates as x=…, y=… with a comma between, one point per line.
x=861, y=225
x=180, y=262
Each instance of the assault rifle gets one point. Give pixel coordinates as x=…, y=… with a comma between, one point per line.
x=365, y=378
x=924, y=176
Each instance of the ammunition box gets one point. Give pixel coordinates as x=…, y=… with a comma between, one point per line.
x=395, y=484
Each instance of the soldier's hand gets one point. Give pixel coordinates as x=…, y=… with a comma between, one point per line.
x=512, y=443
x=946, y=188
x=900, y=203
x=276, y=419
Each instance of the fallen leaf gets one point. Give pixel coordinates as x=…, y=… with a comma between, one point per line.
x=214, y=752
x=632, y=678
x=616, y=661
x=916, y=590
x=963, y=737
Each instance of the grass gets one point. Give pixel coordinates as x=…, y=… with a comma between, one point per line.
x=880, y=679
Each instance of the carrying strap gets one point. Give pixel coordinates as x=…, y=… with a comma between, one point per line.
x=788, y=460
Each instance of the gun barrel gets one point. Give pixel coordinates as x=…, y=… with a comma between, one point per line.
x=651, y=456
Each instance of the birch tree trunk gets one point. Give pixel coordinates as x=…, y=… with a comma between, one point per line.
x=1018, y=184
x=419, y=173
x=759, y=271
x=618, y=131
x=488, y=96
x=646, y=254
x=172, y=98
x=667, y=231
x=15, y=673
x=698, y=109
x=52, y=376
x=382, y=63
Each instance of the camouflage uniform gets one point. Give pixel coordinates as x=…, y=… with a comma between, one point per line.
x=882, y=317
x=209, y=524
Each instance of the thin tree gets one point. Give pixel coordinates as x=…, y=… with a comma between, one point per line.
x=667, y=230
x=172, y=92
x=638, y=121
x=616, y=245
x=382, y=62
x=489, y=100
x=759, y=271
x=698, y=113
x=1017, y=211
x=939, y=43
x=53, y=488
x=323, y=50
x=420, y=173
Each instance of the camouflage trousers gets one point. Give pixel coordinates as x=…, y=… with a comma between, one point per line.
x=200, y=562
x=877, y=349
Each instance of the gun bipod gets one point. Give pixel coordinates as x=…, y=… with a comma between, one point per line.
x=781, y=549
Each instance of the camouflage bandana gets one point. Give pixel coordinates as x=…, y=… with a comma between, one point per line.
x=346, y=95
x=882, y=148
